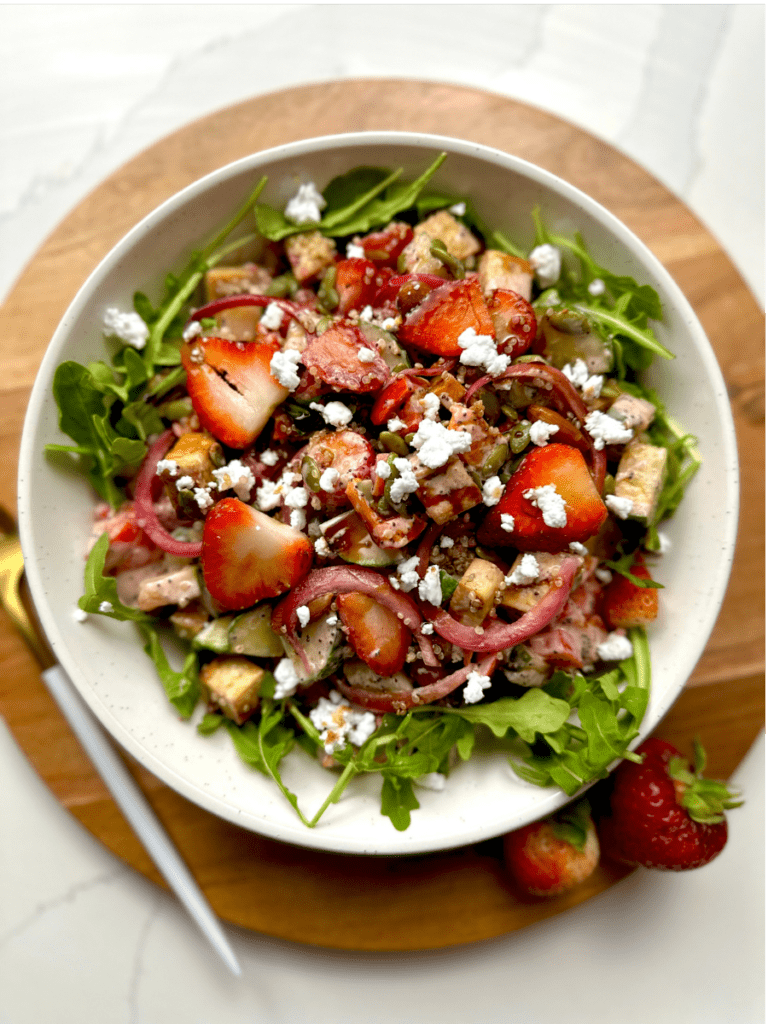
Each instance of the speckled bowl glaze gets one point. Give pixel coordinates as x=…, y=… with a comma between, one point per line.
x=104, y=658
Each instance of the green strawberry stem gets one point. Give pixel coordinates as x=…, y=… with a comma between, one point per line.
x=704, y=799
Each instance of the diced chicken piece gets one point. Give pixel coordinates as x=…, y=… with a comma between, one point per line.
x=498, y=269
x=197, y=455
x=233, y=683
x=640, y=476
x=417, y=259
x=309, y=254
x=223, y=281
x=179, y=587
x=458, y=239
x=524, y=597
x=635, y=413
x=188, y=622
x=476, y=593
x=485, y=439
x=447, y=492
x=448, y=390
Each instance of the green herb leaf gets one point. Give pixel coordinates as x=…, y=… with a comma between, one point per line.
x=398, y=800
x=100, y=597
x=182, y=687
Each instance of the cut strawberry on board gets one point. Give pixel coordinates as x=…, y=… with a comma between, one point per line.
x=552, y=501
x=436, y=325
x=552, y=856
x=378, y=637
x=232, y=389
x=248, y=556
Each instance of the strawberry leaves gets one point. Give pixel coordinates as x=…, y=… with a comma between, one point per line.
x=704, y=799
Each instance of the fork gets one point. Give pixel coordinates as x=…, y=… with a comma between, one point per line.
x=110, y=767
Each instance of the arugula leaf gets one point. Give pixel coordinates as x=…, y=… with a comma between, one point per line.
x=398, y=800
x=622, y=567
x=357, y=202
x=210, y=724
x=535, y=712
x=100, y=597
x=183, y=687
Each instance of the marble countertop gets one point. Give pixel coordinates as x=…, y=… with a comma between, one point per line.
x=680, y=89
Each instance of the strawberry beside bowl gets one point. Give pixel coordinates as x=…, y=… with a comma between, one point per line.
x=482, y=797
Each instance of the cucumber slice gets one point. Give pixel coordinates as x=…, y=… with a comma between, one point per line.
x=391, y=352
x=215, y=635
x=323, y=647
x=251, y=634
x=348, y=538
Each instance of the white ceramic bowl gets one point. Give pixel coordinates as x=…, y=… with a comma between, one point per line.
x=104, y=658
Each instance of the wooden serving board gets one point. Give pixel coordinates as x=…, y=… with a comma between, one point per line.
x=435, y=900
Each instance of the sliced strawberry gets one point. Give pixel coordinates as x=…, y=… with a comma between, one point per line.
x=247, y=556
x=356, y=283
x=514, y=322
x=624, y=604
x=334, y=357
x=448, y=311
x=564, y=468
x=387, y=531
x=232, y=389
x=386, y=245
x=379, y=638
x=567, y=432
x=348, y=454
x=391, y=397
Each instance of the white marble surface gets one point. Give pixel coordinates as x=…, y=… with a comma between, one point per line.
x=82, y=89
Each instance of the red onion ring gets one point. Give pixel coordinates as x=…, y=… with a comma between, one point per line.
x=146, y=516
x=347, y=579
x=500, y=636
x=399, y=703
x=564, y=396
x=210, y=309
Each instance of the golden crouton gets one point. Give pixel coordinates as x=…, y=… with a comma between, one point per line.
x=498, y=269
x=233, y=683
x=309, y=254
x=475, y=595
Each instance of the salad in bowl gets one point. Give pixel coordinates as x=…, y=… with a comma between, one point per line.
x=384, y=490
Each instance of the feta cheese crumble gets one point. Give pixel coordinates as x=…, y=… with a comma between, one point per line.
x=578, y=374
x=236, y=477
x=335, y=413
x=525, y=573
x=355, y=252
x=79, y=615
x=329, y=478
x=578, y=549
x=546, y=261
x=298, y=519
x=493, y=489
x=436, y=443
x=383, y=469
x=507, y=522
x=458, y=209
x=596, y=287
x=192, y=330
x=604, y=429
x=446, y=542
x=269, y=458
x=615, y=648
x=338, y=722
x=107, y=607
x=302, y=614
x=366, y=314
x=480, y=350
x=430, y=588
x=407, y=575
x=203, y=498
x=430, y=403
x=603, y=575
x=406, y=482
x=167, y=466
x=541, y=432
x=550, y=504
x=322, y=549
x=283, y=366
x=306, y=205
x=128, y=327
x=621, y=507
x=476, y=685
x=395, y=424
x=366, y=355
x=286, y=678
x=272, y=317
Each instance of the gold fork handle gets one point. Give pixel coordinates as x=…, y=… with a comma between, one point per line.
x=11, y=601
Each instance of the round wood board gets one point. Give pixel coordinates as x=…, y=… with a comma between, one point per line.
x=462, y=896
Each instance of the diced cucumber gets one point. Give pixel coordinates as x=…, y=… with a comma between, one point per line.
x=349, y=539
x=215, y=635
x=390, y=351
x=323, y=647
x=251, y=634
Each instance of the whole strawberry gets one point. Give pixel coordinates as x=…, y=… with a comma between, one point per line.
x=551, y=856
x=663, y=814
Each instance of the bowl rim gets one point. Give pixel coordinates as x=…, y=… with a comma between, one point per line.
x=314, y=838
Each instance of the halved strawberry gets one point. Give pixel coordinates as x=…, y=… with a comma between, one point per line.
x=514, y=322
x=624, y=604
x=436, y=324
x=231, y=387
x=391, y=397
x=248, y=556
x=356, y=283
x=554, y=465
x=379, y=638
x=386, y=245
x=334, y=357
